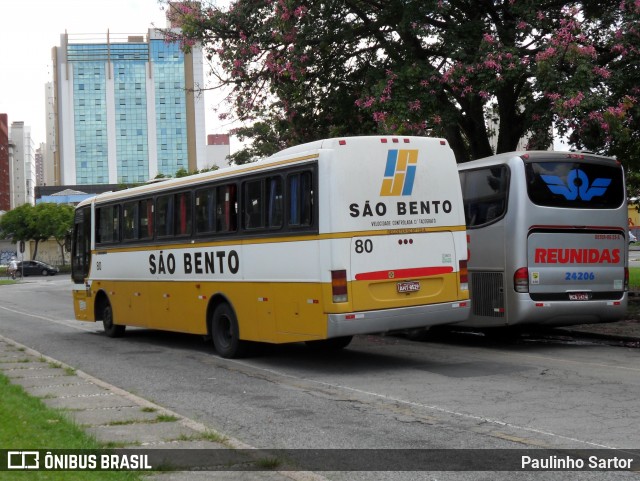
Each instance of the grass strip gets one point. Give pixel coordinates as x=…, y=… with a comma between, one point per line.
x=27, y=423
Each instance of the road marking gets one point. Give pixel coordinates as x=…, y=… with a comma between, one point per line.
x=77, y=325
x=68, y=323
x=451, y=412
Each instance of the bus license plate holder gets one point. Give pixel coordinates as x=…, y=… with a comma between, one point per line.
x=579, y=296
x=408, y=286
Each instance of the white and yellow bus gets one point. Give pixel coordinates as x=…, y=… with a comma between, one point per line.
x=317, y=243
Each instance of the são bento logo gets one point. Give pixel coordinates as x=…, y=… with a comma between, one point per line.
x=577, y=186
x=399, y=173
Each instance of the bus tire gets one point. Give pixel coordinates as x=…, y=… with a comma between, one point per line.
x=226, y=333
x=333, y=344
x=111, y=329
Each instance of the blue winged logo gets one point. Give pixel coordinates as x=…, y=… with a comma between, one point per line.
x=573, y=190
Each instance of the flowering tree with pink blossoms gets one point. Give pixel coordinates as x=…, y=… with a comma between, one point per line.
x=482, y=74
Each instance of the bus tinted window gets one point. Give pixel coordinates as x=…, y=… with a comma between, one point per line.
x=275, y=207
x=182, y=214
x=485, y=194
x=253, y=204
x=145, y=219
x=576, y=185
x=300, y=199
x=173, y=214
x=129, y=217
x=205, y=210
x=108, y=224
x=164, y=215
x=226, y=208
x=137, y=220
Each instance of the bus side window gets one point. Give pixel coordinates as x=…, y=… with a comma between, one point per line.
x=129, y=221
x=145, y=219
x=253, y=204
x=108, y=224
x=164, y=215
x=205, y=203
x=274, y=202
x=485, y=194
x=300, y=199
x=182, y=213
x=226, y=208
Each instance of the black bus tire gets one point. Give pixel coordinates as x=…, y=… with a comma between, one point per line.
x=226, y=333
x=111, y=329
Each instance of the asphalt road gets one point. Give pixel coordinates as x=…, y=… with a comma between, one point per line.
x=381, y=392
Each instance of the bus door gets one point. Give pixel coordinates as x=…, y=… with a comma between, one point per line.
x=576, y=266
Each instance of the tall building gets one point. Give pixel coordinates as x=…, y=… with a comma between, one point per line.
x=22, y=165
x=218, y=149
x=5, y=164
x=125, y=109
x=50, y=147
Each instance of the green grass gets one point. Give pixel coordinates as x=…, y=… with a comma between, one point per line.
x=634, y=277
x=27, y=423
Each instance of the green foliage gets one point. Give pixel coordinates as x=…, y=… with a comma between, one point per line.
x=299, y=71
x=39, y=223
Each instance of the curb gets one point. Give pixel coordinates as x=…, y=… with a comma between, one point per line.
x=65, y=399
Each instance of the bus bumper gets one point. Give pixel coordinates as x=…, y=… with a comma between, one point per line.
x=525, y=311
x=369, y=322
x=566, y=313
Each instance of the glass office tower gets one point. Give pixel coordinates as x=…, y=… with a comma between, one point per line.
x=126, y=109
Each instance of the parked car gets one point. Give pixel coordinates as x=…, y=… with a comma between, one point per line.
x=632, y=238
x=34, y=268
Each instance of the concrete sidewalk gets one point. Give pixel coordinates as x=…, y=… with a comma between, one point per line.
x=123, y=420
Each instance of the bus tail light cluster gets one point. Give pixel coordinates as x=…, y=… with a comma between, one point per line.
x=464, y=275
x=339, y=286
x=626, y=279
x=521, y=280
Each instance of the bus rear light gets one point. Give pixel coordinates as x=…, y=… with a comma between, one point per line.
x=342, y=142
x=464, y=275
x=521, y=280
x=339, y=286
x=626, y=279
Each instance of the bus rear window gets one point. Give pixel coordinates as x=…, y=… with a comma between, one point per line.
x=575, y=185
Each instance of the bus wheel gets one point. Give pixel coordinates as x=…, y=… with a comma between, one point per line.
x=111, y=329
x=333, y=344
x=226, y=334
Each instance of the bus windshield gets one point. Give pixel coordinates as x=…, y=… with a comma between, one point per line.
x=575, y=185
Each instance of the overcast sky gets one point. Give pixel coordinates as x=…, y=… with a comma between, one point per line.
x=30, y=28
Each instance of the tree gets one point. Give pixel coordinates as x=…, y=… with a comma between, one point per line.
x=38, y=223
x=16, y=225
x=299, y=70
x=53, y=221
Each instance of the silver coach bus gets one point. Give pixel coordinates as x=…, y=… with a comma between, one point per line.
x=547, y=239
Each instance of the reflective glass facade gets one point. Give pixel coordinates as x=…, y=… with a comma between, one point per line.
x=90, y=114
x=130, y=95
x=121, y=92
x=171, y=118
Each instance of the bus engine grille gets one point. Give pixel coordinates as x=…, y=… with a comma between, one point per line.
x=487, y=294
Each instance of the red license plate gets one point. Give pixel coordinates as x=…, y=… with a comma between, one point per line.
x=579, y=296
x=409, y=286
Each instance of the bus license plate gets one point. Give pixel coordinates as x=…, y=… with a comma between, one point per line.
x=579, y=296
x=410, y=286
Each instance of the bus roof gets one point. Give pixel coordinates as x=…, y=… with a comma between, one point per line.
x=298, y=153
x=505, y=157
